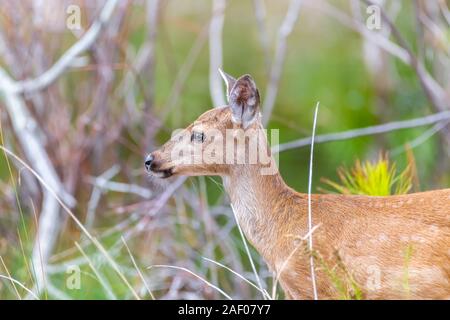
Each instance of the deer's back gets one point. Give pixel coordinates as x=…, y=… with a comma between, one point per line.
x=391, y=247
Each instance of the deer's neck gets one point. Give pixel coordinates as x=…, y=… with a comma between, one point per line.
x=260, y=203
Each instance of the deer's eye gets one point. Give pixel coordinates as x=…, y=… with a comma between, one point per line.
x=197, y=136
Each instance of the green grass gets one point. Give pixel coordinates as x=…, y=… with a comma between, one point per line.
x=374, y=178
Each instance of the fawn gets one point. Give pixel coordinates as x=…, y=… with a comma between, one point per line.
x=395, y=247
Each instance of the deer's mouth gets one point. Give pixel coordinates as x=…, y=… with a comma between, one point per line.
x=163, y=174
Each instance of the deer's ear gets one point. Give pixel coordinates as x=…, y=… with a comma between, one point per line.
x=244, y=101
x=229, y=81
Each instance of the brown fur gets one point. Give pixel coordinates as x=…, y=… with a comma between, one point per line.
x=395, y=247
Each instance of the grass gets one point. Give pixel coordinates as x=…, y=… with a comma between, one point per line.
x=341, y=279
x=374, y=178
x=94, y=255
x=407, y=260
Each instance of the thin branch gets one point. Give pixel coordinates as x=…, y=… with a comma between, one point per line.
x=105, y=184
x=215, y=53
x=277, y=67
x=184, y=72
x=85, y=42
x=260, y=14
x=150, y=66
x=420, y=139
x=357, y=26
x=367, y=131
x=26, y=130
x=96, y=195
x=445, y=12
x=153, y=7
x=435, y=93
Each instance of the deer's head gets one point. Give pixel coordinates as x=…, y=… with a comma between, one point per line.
x=220, y=138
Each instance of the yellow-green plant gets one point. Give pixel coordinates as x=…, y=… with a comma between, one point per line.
x=379, y=178
x=347, y=288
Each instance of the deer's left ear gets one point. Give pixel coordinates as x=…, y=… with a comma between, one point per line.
x=244, y=101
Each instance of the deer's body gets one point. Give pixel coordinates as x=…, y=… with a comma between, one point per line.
x=386, y=247
x=394, y=247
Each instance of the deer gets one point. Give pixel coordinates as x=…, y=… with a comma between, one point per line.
x=380, y=247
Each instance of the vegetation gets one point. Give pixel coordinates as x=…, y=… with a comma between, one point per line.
x=374, y=178
x=86, y=132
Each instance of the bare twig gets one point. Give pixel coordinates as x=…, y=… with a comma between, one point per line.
x=285, y=30
x=88, y=39
x=152, y=23
x=26, y=128
x=260, y=14
x=153, y=7
x=347, y=20
x=420, y=139
x=372, y=130
x=445, y=12
x=184, y=72
x=215, y=53
x=95, y=196
x=435, y=93
x=105, y=184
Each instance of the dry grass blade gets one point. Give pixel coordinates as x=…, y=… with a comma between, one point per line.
x=41, y=260
x=9, y=275
x=264, y=292
x=310, y=228
x=247, y=251
x=195, y=275
x=286, y=261
x=366, y=131
x=100, y=278
x=78, y=223
x=20, y=285
x=138, y=270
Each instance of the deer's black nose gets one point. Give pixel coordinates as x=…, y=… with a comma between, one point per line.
x=148, y=162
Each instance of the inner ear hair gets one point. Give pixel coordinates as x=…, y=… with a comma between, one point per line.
x=244, y=101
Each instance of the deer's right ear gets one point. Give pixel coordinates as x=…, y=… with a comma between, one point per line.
x=229, y=81
x=244, y=101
